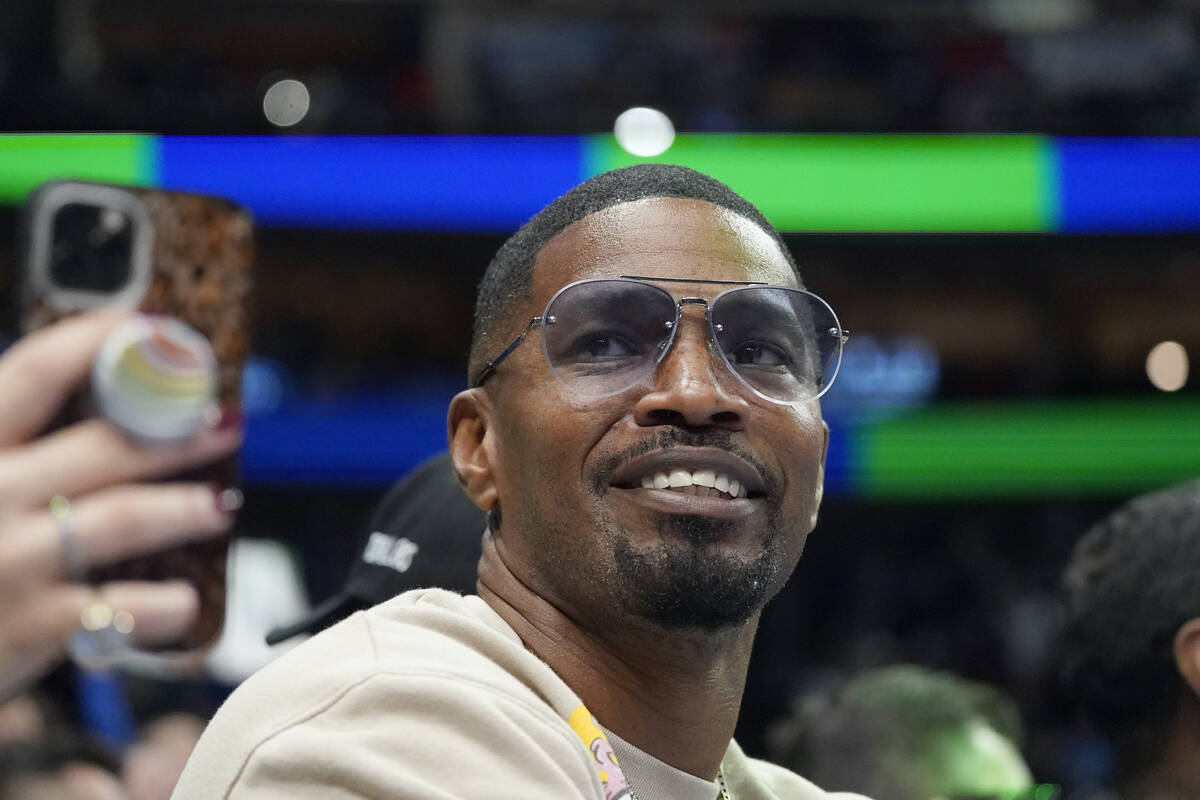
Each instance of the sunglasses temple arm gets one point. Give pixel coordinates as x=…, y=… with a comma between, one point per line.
x=491, y=365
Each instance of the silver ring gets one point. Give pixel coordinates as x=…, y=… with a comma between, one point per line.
x=74, y=558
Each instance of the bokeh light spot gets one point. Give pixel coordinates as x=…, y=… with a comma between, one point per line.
x=1167, y=366
x=644, y=132
x=286, y=102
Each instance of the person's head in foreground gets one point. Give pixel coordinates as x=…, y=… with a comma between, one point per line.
x=643, y=428
x=1131, y=643
x=624, y=387
x=651, y=454
x=908, y=733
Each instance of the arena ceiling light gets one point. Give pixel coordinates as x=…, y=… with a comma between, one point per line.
x=644, y=132
x=286, y=102
x=1167, y=366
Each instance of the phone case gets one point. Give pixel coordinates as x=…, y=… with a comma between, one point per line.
x=199, y=271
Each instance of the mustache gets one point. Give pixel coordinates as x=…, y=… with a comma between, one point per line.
x=667, y=438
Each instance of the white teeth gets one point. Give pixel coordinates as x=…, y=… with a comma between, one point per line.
x=680, y=477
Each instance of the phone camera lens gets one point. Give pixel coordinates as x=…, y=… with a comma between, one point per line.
x=91, y=248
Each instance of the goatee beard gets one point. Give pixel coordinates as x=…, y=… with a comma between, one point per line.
x=689, y=583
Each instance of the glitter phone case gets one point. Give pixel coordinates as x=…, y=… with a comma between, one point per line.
x=90, y=245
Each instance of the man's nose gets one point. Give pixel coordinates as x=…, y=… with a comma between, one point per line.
x=692, y=386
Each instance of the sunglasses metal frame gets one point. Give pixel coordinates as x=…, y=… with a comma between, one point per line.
x=545, y=318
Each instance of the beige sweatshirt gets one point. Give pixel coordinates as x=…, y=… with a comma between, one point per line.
x=429, y=696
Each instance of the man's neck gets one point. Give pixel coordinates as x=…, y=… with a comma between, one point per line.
x=674, y=695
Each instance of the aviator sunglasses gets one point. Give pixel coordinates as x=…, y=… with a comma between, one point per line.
x=602, y=336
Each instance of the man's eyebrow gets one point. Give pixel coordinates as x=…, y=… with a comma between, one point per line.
x=779, y=314
x=615, y=298
x=782, y=315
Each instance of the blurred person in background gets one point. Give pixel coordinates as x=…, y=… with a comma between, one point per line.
x=907, y=733
x=424, y=533
x=151, y=767
x=43, y=755
x=650, y=474
x=59, y=765
x=114, y=513
x=1131, y=640
x=22, y=717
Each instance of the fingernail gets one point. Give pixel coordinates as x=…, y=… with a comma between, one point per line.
x=227, y=500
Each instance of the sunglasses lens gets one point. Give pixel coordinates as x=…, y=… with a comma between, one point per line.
x=784, y=344
x=604, y=336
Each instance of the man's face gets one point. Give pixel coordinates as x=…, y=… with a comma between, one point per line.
x=578, y=526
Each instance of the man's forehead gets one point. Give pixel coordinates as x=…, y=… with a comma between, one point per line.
x=667, y=237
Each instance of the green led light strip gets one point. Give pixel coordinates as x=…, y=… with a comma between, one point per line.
x=28, y=160
x=885, y=183
x=1007, y=451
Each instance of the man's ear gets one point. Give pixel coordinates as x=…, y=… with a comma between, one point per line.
x=472, y=440
x=819, y=489
x=1187, y=653
x=824, y=444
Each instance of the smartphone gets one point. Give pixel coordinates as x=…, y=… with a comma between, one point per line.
x=91, y=245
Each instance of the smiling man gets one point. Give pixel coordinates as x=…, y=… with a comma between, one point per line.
x=643, y=428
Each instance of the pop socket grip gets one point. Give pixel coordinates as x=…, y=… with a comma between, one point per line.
x=155, y=378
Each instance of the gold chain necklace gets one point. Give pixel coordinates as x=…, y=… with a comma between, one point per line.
x=720, y=783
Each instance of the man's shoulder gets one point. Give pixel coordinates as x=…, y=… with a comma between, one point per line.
x=761, y=780
x=429, y=664
x=437, y=629
x=425, y=633
x=421, y=632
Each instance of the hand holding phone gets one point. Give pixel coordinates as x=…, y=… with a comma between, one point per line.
x=117, y=511
x=91, y=246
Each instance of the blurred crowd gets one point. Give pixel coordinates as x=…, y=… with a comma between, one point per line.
x=1081, y=67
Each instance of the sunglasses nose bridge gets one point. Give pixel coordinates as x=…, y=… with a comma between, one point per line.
x=690, y=383
x=674, y=327
x=696, y=336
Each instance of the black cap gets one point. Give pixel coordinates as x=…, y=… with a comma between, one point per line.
x=425, y=533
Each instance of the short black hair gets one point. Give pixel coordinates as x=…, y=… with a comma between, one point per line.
x=509, y=276
x=874, y=734
x=1131, y=583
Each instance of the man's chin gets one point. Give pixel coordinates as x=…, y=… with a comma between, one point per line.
x=692, y=584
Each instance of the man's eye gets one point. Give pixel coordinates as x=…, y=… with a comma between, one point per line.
x=603, y=345
x=759, y=354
